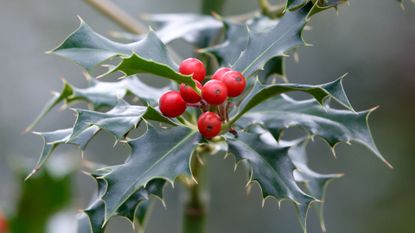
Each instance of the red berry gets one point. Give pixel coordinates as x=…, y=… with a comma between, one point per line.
x=220, y=72
x=193, y=66
x=172, y=104
x=235, y=82
x=209, y=124
x=3, y=224
x=188, y=94
x=214, y=92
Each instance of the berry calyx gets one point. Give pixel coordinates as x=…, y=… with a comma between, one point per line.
x=235, y=83
x=214, y=92
x=193, y=66
x=171, y=104
x=188, y=94
x=209, y=124
x=218, y=75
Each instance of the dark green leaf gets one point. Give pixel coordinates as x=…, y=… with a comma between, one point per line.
x=333, y=125
x=276, y=41
x=134, y=209
x=259, y=94
x=136, y=64
x=236, y=41
x=274, y=67
x=103, y=94
x=166, y=159
x=272, y=167
x=315, y=183
x=154, y=115
x=88, y=48
x=119, y=120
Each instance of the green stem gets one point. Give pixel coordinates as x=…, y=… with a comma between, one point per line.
x=195, y=212
x=264, y=6
x=118, y=15
x=209, y=6
x=270, y=10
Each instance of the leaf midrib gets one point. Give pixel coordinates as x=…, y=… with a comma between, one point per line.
x=265, y=51
x=152, y=166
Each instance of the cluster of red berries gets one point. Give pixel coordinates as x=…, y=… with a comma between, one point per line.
x=224, y=83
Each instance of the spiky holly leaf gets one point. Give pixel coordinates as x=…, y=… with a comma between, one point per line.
x=333, y=125
x=51, y=140
x=260, y=93
x=149, y=55
x=166, y=159
x=102, y=94
x=236, y=41
x=134, y=208
x=119, y=120
x=272, y=167
x=315, y=183
x=89, y=49
x=277, y=40
x=107, y=93
x=199, y=30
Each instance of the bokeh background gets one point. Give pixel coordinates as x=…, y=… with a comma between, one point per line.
x=372, y=40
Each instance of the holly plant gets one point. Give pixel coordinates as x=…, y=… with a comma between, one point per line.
x=229, y=99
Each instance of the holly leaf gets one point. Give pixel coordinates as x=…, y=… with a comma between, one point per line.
x=236, y=41
x=89, y=49
x=277, y=40
x=148, y=55
x=52, y=139
x=135, y=64
x=119, y=120
x=107, y=94
x=315, y=183
x=333, y=125
x=273, y=68
x=92, y=220
x=102, y=94
x=167, y=159
x=272, y=168
x=260, y=93
x=199, y=30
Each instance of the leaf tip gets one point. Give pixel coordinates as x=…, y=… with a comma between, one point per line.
x=31, y=173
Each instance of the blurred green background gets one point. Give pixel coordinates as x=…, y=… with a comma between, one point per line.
x=373, y=40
